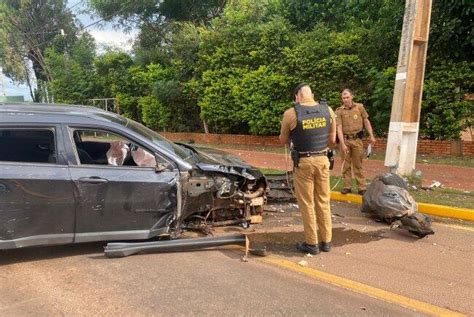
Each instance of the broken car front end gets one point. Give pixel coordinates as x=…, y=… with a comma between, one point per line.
x=221, y=190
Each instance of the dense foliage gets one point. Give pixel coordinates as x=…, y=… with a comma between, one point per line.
x=230, y=66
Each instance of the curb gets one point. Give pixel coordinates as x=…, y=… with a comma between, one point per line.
x=430, y=209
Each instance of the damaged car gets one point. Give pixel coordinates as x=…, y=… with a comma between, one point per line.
x=71, y=174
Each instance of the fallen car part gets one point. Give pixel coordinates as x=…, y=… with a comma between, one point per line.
x=259, y=252
x=280, y=187
x=418, y=224
x=387, y=199
x=117, y=250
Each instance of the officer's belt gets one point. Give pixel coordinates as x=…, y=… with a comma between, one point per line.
x=354, y=136
x=308, y=154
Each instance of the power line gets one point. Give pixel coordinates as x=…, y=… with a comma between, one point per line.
x=88, y=26
x=75, y=5
x=70, y=10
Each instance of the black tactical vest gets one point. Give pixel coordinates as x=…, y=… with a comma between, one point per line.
x=312, y=128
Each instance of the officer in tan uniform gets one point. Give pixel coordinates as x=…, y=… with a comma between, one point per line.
x=351, y=118
x=311, y=128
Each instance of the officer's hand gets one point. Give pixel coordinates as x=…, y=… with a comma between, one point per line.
x=372, y=141
x=344, y=149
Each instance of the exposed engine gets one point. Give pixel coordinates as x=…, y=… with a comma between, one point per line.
x=232, y=197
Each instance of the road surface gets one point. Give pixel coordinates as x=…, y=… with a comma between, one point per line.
x=385, y=272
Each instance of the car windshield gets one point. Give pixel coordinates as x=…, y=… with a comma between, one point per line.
x=162, y=142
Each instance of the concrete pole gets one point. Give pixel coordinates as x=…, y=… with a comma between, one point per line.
x=406, y=105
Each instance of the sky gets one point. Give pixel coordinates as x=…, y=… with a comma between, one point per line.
x=104, y=34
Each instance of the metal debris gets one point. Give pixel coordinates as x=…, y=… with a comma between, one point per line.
x=435, y=184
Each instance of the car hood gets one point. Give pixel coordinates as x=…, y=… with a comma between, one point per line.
x=214, y=160
x=205, y=155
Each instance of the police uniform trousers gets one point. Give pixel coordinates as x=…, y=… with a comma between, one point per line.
x=312, y=187
x=353, y=163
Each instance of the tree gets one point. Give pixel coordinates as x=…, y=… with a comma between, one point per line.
x=238, y=48
x=74, y=79
x=234, y=63
x=445, y=113
x=451, y=35
x=27, y=29
x=112, y=72
x=156, y=21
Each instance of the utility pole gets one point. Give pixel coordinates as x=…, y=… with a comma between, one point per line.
x=406, y=105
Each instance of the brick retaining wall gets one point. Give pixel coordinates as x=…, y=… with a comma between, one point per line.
x=465, y=148
x=468, y=148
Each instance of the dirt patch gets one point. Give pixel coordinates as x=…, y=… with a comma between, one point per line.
x=449, y=176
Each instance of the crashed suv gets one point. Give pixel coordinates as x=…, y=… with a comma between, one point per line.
x=72, y=174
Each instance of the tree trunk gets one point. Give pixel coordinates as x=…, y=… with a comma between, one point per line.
x=206, y=128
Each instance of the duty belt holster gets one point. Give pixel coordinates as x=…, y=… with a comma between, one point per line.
x=358, y=135
x=295, y=156
x=309, y=154
x=331, y=159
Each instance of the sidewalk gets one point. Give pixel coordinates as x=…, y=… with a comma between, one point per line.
x=461, y=178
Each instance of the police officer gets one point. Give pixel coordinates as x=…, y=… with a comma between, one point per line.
x=311, y=128
x=351, y=119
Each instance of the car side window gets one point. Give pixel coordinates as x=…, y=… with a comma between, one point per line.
x=28, y=145
x=98, y=147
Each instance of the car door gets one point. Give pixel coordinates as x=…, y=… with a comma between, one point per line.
x=116, y=198
x=36, y=194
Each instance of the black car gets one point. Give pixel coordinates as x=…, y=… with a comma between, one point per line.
x=77, y=174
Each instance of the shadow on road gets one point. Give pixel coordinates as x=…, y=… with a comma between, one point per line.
x=50, y=252
x=283, y=243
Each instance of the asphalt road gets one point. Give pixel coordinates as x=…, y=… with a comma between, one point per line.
x=79, y=280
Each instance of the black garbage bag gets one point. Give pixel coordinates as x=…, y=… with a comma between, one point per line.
x=388, y=200
x=393, y=179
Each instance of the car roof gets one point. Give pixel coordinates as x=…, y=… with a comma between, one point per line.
x=55, y=113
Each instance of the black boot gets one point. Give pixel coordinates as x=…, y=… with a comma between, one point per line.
x=326, y=246
x=307, y=248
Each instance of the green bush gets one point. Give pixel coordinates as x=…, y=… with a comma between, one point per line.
x=154, y=114
x=263, y=96
x=445, y=113
x=381, y=100
x=218, y=106
x=129, y=106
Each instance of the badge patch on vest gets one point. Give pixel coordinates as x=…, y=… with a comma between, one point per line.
x=355, y=117
x=314, y=123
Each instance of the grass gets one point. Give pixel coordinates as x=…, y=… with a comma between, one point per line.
x=438, y=196
x=446, y=197
x=271, y=171
x=380, y=156
x=434, y=159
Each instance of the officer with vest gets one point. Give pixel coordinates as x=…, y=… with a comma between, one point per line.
x=310, y=126
x=351, y=118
